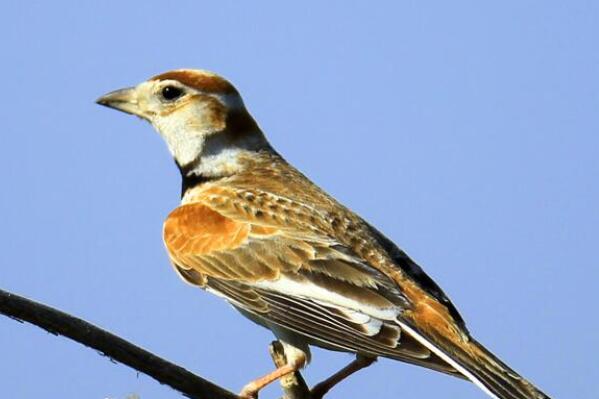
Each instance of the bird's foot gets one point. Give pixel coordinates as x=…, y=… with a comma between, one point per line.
x=250, y=391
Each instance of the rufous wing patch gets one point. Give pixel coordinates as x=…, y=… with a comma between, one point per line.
x=197, y=230
x=203, y=240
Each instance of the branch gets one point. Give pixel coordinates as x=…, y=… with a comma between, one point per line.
x=59, y=323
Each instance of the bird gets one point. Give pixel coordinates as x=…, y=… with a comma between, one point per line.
x=254, y=230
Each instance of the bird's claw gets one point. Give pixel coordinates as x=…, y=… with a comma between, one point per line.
x=249, y=391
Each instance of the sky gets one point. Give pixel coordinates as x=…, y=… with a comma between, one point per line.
x=468, y=132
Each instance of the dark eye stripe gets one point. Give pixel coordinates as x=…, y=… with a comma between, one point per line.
x=171, y=93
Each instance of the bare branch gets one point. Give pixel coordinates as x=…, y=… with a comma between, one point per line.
x=60, y=323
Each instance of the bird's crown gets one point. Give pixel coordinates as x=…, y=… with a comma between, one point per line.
x=201, y=80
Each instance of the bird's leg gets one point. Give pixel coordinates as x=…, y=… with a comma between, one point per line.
x=293, y=384
x=357, y=364
x=250, y=391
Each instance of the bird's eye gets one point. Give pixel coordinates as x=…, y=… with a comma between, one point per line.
x=171, y=93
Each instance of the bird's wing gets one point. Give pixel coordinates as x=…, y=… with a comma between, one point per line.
x=267, y=261
x=330, y=277
x=320, y=271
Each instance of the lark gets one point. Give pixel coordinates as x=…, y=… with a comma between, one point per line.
x=255, y=231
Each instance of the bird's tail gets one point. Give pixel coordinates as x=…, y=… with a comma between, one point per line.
x=484, y=369
x=491, y=373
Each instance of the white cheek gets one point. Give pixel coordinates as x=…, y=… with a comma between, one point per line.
x=184, y=142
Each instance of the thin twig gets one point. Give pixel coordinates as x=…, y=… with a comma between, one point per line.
x=294, y=386
x=60, y=323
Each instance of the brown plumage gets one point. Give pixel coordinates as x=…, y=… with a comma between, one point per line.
x=206, y=82
x=256, y=231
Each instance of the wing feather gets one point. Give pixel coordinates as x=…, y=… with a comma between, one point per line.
x=289, y=256
x=330, y=327
x=248, y=256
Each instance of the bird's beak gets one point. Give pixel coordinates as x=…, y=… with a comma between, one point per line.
x=123, y=100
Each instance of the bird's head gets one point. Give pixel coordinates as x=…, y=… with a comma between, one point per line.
x=200, y=115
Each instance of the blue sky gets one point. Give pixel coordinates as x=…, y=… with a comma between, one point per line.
x=467, y=131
